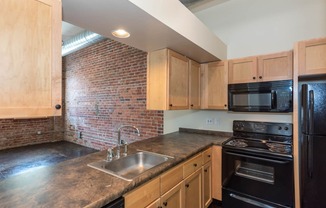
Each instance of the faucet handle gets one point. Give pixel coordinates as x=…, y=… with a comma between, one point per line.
x=110, y=154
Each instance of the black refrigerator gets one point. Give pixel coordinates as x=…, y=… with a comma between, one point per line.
x=313, y=144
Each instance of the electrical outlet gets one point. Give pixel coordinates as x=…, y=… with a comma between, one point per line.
x=209, y=121
x=216, y=121
x=79, y=135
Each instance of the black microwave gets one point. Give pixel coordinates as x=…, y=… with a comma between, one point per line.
x=275, y=96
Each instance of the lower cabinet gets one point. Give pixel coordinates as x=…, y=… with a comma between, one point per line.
x=193, y=190
x=207, y=184
x=185, y=186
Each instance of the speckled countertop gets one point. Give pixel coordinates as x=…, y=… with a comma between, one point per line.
x=73, y=184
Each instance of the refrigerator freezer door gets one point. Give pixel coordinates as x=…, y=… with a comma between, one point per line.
x=314, y=109
x=313, y=172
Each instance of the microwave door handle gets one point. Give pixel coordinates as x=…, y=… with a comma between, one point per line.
x=311, y=111
x=273, y=99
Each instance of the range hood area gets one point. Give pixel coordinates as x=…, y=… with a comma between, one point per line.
x=153, y=25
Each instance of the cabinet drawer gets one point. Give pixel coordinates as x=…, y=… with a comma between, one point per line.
x=192, y=165
x=207, y=155
x=144, y=195
x=171, y=178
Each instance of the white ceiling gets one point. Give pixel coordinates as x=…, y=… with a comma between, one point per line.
x=70, y=30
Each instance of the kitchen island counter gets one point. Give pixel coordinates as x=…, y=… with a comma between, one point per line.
x=73, y=184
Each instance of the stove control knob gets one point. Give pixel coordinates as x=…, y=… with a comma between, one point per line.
x=286, y=128
x=280, y=128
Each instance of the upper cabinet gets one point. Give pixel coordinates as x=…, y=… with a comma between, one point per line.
x=194, y=85
x=311, y=56
x=30, y=58
x=272, y=67
x=214, y=82
x=167, y=80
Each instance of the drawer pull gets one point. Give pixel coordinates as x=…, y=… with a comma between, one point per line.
x=165, y=203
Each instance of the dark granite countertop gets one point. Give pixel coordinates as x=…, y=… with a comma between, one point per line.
x=73, y=184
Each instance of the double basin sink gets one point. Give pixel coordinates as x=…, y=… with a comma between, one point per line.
x=131, y=166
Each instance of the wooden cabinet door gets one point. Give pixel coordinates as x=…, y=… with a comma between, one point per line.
x=207, y=184
x=193, y=190
x=214, y=85
x=311, y=57
x=194, y=85
x=155, y=204
x=217, y=172
x=30, y=58
x=243, y=70
x=178, y=81
x=174, y=198
x=144, y=195
x=278, y=66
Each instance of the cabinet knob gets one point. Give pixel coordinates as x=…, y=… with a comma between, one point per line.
x=195, y=165
x=208, y=155
x=253, y=77
x=57, y=106
x=187, y=185
x=192, y=105
x=165, y=203
x=260, y=77
x=170, y=105
x=205, y=170
x=225, y=105
x=159, y=207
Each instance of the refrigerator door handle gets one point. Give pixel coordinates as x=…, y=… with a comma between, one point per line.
x=311, y=111
x=310, y=156
x=304, y=104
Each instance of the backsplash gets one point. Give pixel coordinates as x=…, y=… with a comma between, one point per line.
x=105, y=87
x=22, y=132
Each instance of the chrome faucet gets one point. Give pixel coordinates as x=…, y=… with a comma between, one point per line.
x=124, y=143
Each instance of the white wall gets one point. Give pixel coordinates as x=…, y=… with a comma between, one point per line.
x=253, y=27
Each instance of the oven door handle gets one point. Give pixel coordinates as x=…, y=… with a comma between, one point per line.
x=251, y=201
x=258, y=158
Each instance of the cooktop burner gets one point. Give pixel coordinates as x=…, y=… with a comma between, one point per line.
x=259, y=145
x=262, y=137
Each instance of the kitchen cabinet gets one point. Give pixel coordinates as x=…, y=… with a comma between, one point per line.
x=144, y=195
x=183, y=186
x=193, y=190
x=217, y=172
x=271, y=67
x=30, y=54
x=311, y=57
x=214, y=83
x=167, y=80
x=243, y=70
x=174, y=198
x=194, y=85
x=207, y=178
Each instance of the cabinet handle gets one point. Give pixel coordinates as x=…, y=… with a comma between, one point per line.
x=205, y=170
x=57, y=106
x=159, y=207
x=208, y=155
x=187, y=185
x=170, y=105
x=253, y=77
x=225, y=105
x=195, y=165
x=260, y=77
x=165, y=203
x=192, y=105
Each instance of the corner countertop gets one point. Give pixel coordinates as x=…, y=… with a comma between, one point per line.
x=73, y=184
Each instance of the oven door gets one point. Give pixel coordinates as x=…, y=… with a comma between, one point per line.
x=261, y=176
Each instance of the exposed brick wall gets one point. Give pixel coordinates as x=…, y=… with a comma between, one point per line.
x=22, y=132
x=105, y=87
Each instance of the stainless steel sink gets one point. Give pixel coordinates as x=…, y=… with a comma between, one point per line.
x=132, y=165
